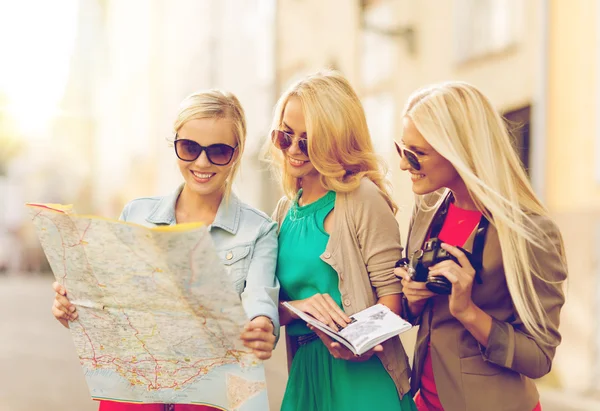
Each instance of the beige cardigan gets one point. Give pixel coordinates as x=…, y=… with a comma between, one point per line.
x=363, y=249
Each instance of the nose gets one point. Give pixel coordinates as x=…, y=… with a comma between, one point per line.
x=202, y=160
x=404, y=164
x=294, y=149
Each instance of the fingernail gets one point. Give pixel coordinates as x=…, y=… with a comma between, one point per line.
x=72, y=308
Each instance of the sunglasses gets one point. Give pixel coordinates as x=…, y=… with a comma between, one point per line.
x=409, y=156
x=283, y=141
x=217, y=154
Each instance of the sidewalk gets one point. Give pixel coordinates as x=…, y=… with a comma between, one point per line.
x=553, y=400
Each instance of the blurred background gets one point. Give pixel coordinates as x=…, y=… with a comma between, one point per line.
x=89, y=90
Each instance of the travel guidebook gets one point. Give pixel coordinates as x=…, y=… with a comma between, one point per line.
x=368, y=328
x=159, y=318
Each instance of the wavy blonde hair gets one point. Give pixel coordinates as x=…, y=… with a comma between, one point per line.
x=216, y=104
x=339, y=143
x=461, y=124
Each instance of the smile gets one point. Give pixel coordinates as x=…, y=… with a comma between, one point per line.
x=296, y=163
x=416, y=177
x=202, y=177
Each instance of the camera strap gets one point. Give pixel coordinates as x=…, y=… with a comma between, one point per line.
x=476, y=256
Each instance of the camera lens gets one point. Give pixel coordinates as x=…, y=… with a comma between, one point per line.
x=439, y=285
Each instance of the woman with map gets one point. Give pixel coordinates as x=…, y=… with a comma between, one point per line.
x=210, y=135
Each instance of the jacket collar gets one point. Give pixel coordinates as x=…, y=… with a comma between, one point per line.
x=423, y=220
x=227, y=218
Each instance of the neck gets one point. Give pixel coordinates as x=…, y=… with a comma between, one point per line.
x=462, y=197
x=193, y=207
x=312, y=189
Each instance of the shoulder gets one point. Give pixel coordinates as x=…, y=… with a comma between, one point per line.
x=283, y=202
x=545, y=224
x=365, y=190
x=252, y=217
x=281, y=208
x=550, y=238
x=144, y=202
x=140, y=207
x=254, y=214
x=367, y=196
x=549, y=256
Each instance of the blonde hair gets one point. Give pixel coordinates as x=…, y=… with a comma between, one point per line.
x=461, y=124
x=339, y=143
x=216, y=104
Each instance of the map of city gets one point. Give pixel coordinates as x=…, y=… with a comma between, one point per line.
x=159, y=320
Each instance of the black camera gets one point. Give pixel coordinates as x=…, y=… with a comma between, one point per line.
x=420, y=261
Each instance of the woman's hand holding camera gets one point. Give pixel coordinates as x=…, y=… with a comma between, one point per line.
x=416, y=292
x=461, y=277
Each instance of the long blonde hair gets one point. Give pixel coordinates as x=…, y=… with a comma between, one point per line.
x=339, y=143
x=461, y=124
x=216, y=104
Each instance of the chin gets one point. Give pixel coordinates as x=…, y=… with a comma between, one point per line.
x=205, y=189
x=422, y=190
x=299, y=172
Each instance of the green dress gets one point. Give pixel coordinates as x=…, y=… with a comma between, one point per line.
x=317, y=381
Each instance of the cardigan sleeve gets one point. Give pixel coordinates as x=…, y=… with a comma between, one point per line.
x=378, y=237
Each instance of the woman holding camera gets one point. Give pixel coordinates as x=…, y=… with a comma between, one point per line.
x=338, y=243
x=480, y=346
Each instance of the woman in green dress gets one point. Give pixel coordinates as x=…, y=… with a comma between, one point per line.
x=338, y=243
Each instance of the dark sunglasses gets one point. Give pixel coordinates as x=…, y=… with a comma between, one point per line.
x=283, y=141
x=217, y=154
x=409, y=156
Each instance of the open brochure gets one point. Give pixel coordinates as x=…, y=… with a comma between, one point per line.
x=369, y=327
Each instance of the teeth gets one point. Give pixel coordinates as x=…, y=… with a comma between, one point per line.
x=296, y=162
x=203, y=175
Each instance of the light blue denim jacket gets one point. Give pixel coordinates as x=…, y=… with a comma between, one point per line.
x=245, y=240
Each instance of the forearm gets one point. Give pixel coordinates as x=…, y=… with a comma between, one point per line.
x=478, y=323
x=393, y=302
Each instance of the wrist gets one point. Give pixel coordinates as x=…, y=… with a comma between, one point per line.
x=268, y=321
x=469, y=315
x=416, y=307
x=285, y=314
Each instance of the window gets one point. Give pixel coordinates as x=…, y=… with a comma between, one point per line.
x=487, y=26
x=380, y=112
x=519, y=122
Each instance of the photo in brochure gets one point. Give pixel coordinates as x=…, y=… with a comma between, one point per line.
x=368, y=328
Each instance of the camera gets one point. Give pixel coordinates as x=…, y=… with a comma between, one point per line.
x=431, y=254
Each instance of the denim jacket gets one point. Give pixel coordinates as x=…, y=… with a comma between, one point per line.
x=245, y=240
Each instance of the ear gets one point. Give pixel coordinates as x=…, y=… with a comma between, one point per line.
x=236, y=155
